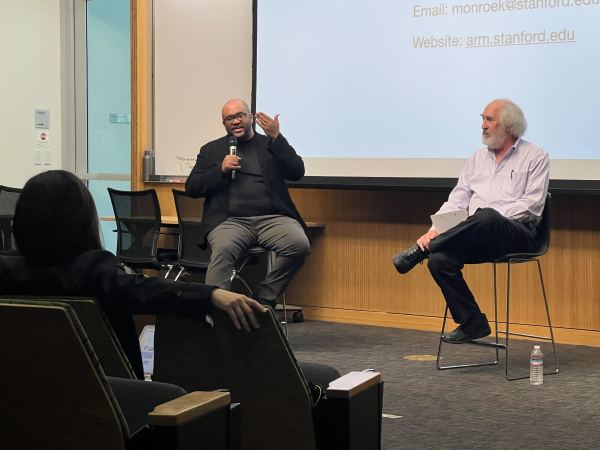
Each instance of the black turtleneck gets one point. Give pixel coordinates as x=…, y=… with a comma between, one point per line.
x=247, y=193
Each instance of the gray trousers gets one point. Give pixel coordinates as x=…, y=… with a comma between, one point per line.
x=281, y=234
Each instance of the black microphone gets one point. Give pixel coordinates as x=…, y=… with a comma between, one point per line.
x=233, y=151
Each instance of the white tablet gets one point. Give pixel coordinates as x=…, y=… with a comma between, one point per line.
x=444, y=221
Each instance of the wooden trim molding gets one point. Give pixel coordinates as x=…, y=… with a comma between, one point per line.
x=141, y=111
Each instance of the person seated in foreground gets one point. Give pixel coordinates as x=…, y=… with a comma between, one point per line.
x=56, y=229
x=503, y=187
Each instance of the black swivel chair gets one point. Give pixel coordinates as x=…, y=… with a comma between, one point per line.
x=137, y=214
x=8, y=203
x=543, y=243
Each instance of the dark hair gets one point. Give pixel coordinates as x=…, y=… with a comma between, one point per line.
x=55, y=219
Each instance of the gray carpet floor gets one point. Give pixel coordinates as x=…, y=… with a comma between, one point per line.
x=464, y=408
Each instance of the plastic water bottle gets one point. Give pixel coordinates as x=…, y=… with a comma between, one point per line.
x=536, y=366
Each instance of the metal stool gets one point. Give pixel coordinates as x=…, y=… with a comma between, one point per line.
x=543, y=242
x=244, y=260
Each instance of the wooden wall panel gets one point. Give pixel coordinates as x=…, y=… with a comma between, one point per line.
x=350, y=265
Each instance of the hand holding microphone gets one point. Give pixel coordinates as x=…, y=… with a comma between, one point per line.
x=231, y=162
x=233, y=151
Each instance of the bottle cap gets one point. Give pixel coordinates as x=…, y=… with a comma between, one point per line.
x=536, y=347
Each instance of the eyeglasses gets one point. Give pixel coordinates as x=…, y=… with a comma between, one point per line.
x=238, y=116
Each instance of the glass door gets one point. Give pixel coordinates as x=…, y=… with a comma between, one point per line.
x=108, y=75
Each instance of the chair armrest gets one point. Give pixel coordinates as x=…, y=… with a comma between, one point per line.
x=188, y=407
x=349, y=417
x=352, y=384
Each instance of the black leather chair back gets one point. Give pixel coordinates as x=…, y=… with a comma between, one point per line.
x=258, y=368
x=54, y=392
x=98, y=329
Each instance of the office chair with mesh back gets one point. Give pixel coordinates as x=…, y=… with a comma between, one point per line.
x=137, y=214
x=8, y=203
x=191, y=257
x=543, y=243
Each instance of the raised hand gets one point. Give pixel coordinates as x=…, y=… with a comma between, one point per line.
x=269, y=125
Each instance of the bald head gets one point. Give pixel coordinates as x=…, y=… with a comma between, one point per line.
x=237, y=119
x=234, y=103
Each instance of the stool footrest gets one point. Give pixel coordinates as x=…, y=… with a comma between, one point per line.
x=487, y=344
x=512, y=333
x=460, y=366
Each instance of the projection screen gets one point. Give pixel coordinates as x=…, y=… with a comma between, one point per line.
x=390, y=88
x=380, y=90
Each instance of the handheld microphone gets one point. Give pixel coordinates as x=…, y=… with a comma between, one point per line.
x=233, y=151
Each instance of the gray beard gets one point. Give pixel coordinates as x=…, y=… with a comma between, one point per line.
x=495, y=140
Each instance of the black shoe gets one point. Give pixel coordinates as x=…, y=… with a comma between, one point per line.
x=406, y=260
x=459, y=336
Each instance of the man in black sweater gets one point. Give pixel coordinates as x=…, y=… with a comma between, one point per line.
x=247, y=202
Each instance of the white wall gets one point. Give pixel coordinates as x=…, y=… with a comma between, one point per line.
x=202, y=58
x=30, y=78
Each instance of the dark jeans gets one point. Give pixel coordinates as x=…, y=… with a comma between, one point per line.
x=482, y=237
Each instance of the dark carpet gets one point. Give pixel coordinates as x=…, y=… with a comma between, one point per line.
x=464, y=408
